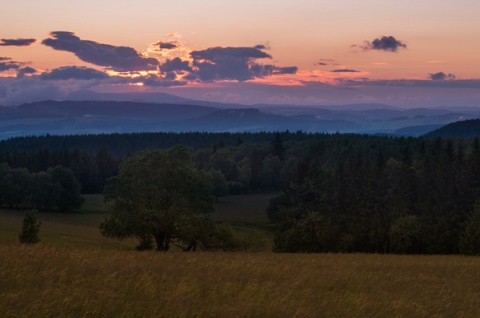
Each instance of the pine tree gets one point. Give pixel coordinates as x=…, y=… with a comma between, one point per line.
x=277, y=147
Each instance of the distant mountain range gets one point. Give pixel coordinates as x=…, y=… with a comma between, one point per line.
x=88, y=112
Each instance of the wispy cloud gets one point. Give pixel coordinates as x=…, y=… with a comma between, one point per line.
x=344, y=70
x=6, y=64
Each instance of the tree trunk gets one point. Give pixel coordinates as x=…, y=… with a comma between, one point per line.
x=159, y=241
x=191, y=247
x=168, y=239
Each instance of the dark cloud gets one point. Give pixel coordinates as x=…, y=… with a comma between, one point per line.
x=6, y=64
x=219, y=54
x=228, y=63
x=234, y=63
x=344, y=70
x=322, y=63
x=166, y=45
x=441, y=76
x=17, y=42
x=175, y=65
x=118, y=58
x=73, y=72
x=26, y=70
x=384, y=43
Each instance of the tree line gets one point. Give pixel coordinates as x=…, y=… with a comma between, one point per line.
x=423, y=202
x=55, y=189
x=340, y=192
x=249, y=162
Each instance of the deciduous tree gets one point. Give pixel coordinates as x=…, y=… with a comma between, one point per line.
x=158, y=194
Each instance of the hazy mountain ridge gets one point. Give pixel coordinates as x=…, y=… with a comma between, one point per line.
x=179, y=115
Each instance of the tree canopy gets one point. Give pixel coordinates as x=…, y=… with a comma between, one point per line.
x=159, y=195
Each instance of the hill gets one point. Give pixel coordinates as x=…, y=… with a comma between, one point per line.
x=461, y=129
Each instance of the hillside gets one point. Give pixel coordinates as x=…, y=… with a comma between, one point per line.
x=461, y=129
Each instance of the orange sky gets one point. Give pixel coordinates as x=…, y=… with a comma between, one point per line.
x=438, y=36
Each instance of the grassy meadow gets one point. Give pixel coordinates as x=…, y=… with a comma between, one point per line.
x=75, y=272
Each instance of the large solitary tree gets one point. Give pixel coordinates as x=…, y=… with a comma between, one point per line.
x=159, y=196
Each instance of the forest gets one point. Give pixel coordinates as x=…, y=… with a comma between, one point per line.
x=337, y=192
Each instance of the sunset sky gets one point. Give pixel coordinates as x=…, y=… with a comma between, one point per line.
x=403, y=53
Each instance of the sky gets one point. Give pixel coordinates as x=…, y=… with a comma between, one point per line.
x=403, y=53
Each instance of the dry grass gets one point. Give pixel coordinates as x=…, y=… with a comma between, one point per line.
x=41, y=281
x=75, y=272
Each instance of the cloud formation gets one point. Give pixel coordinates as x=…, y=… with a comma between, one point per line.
x=234, y=63
x=175, y=65
x=73, y=72
x=441, y=76
x=383, y=43
x=118, y=58
x=17, y=42
x=212, y=64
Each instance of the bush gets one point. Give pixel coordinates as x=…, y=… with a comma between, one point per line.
x=30, y=229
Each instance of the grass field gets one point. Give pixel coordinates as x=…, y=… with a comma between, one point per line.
x=244, y=212
x=75, y=272
x=43, y=281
